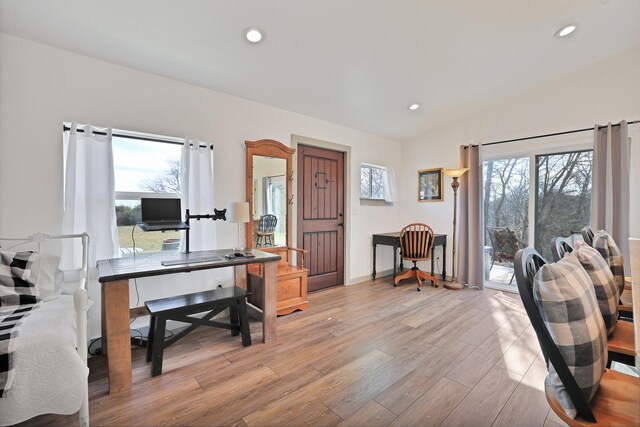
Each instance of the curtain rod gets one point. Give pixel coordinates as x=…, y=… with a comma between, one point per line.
x=142, y=138
x=551, y=134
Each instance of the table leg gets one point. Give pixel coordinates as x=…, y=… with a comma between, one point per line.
x=433, y=253
x=240, y=273
x=444, y=261
x=395, y=261
x=116, y=326
x=373, y=273
x=269, y=302
x=103, y=323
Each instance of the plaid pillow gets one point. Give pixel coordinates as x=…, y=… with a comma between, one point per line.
x=604, y=284
x=15, y=287
x=604, y=243
x=567, y=303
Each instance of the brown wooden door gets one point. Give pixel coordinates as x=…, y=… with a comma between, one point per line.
x=321, y=214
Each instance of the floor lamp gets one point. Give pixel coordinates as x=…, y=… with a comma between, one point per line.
x=239, y=213
x=455, y=174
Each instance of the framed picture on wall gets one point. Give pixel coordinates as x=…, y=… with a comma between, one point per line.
x=430, y=185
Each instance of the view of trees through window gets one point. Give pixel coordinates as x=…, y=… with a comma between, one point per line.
x=562, y=202
x=371, y=182
x=563, y=199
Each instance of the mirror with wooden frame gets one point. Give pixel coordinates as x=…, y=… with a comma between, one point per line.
x=269, y=193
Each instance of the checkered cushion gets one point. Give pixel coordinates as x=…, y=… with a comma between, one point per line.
x=15, y=287
x=604, y=243
x=604, y=284
x=567, y=303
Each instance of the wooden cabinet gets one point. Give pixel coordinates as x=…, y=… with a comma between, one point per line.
x=291, y=281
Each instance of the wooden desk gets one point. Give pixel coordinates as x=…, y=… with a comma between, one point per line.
x=393, y=239
x=114, y=278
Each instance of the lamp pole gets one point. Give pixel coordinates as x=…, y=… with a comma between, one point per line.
x=455, y=174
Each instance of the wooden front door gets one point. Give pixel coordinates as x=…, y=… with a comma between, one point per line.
x=321, y=214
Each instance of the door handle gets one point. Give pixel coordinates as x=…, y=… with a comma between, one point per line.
x=340, y=224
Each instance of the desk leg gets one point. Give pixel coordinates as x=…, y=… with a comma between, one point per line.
x=103, y=323
x=240, y=273
x=433, y=252
x=373, y=273
x=395, y=261
x=116, y=326
x=444, y=261
x=269, y=302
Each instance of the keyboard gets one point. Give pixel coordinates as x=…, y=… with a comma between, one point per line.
x=191, y=260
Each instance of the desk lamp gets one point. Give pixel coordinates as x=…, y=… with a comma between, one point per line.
x=455, y=174
x=239, y=213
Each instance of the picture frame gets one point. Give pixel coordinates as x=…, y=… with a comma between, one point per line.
x=430, y=185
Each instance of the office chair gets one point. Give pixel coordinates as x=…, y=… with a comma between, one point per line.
x=416, y=242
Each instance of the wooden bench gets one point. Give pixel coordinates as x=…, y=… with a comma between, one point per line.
x=181, y=308
x=291, y=281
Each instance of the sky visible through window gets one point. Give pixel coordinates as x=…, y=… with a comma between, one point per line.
x=137, y=162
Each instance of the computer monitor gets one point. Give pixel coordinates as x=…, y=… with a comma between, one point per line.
x=154, y=210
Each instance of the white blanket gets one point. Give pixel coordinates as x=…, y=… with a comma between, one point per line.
x=50, y=375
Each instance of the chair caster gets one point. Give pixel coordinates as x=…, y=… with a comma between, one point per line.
x=395, y=285
x=419, y=289
x=435, y=286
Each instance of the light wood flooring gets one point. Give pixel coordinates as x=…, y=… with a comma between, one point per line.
x=367, y=354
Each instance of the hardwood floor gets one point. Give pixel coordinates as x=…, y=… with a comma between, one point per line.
x=368, y=354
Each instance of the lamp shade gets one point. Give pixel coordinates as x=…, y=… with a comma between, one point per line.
x=456, y=173
x=238, y=212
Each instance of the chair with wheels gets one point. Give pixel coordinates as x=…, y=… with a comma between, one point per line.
x=416, y=242
x=615, y=401
x=266, y=230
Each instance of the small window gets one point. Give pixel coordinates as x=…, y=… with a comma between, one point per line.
x=371, y=182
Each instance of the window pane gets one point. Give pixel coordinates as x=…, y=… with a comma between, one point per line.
x=146, y=166
x=377, y=187
x=506, y=213
x=365, y=177
x=563, y=198
x=127, y=215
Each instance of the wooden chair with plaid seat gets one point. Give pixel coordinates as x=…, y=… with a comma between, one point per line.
x=416, y=243
x=621, y=342
x=616, y=400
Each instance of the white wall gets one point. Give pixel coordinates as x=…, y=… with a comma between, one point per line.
x=42, y=87
x=607, y=91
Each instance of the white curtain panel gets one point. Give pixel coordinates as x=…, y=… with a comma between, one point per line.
x=196, y=194
x=610, y=188
x=89, y=197
x=470, y=221
x=389, y=184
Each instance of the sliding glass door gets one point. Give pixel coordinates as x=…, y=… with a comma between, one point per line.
x=528, y=200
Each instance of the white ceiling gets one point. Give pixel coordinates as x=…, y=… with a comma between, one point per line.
x=359, y=63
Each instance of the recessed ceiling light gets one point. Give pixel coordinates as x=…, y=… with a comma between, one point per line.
x=414, y=107
x=566, y=30
x=253, y=35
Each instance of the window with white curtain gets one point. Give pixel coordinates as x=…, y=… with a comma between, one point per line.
x=145, y=165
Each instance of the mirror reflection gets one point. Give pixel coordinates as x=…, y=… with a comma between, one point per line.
x=269, y=201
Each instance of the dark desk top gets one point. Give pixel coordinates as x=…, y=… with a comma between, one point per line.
x=150, y=264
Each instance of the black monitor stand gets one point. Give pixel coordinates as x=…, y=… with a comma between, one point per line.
x=218, y=214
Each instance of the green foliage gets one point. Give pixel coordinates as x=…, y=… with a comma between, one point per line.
x=126, y=215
